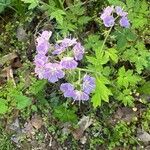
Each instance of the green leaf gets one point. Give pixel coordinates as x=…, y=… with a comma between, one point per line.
x=121, y=44
x=126, y=98
x=92, y=60
x=3, y=106
x=130, y=36
x=58, y=15
x=144, y=7
x=38, y=86
x=130, y=3
x=93, y=42
x=96, y=100
x=124, y=36
x=77, y=9
x=127, y=78
x=84, y=20
x=65, y=114
x=102, y=58
x=106, y=71
x=145, y=89
x=3, y=4
x=116, y=3
x=49, y=8
x=138, y=56
x=32, y=3
x=66, y=27
x=113, y=54
x=138, y=15
x=102, y=93
x=59, y=3
x=22, y=101
x=140, y=21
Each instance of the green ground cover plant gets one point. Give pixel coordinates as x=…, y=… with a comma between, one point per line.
x=74, y=74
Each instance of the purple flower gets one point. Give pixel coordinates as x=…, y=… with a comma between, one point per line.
x=64, y=44
x=109, y=21
x=68, y=42
x=120, y=12
x=78, y=51
x=40, y=71
x=88, y=84
x=59, y=49
x=40, y=60
x=107, y=18
x=68, y=63
x=46, y=35
x=107, y=12
x=53, y=72
x=67, y=89
x=124, y=22
x=80, y=96
x=43, y=43
x=42, y=48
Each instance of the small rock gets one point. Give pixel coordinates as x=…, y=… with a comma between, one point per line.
x=21, y=34
x=144, y=136
x=66, y=129
x=15, y=139
x=83, y=124
x=15, y=125
x=83, y=140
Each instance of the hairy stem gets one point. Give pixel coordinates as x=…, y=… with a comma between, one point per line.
x=108, y=32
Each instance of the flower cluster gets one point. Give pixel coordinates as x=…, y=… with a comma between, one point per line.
x=63, y=45
x=77, y=51
x=87, y=87
x=45, y=70
x=109, y=20
x=53, y=71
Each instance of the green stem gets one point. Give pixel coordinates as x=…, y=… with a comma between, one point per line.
x=3, y=19
x=78, y=4
x=86, y=70
x=107, y=35
x=79, y=71
x=13, y=9
x=108, y=32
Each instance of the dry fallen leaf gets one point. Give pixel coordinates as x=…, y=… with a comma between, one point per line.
x=28, y=129
x=32, y=125
x=8, y=58
x=37, y=122
x=13, y=61
x=124, y=113
x=10, y=75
